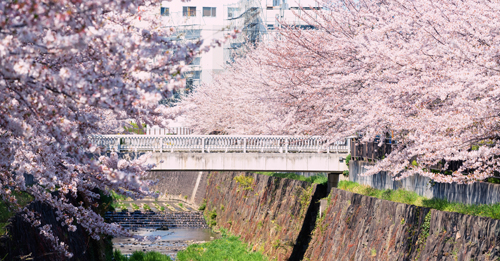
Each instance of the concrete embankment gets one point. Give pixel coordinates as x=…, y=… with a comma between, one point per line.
x=184, y=185
x=277, y=216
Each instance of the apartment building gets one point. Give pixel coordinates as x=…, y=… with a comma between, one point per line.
x=210, y=19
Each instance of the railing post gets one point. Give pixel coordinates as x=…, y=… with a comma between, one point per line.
x=244, y=145
x=117, y=145
x=286, y=145
x=333, y=181
x=203, y=145
x=161, y=145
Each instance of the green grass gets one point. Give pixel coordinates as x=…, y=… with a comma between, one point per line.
x=226, y=248
x=116, y=203
x=203, y=205
x=493, y=180
x=181, y=205
x=117, y=197
x=146, y=207
x=135, y=128
x=135, y=206
x=412, y=198
x=141, y=256
x=318, y=179
x=160, y=208
x=23, y=199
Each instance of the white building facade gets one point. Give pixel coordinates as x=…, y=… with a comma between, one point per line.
x=211, y=19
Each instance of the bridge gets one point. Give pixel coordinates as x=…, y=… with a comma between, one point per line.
x=233, y=153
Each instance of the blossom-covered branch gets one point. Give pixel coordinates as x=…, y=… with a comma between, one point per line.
x=424, y=72
x=70, y=69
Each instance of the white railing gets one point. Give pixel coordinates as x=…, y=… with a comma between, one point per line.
x=219, y=143
x=168, y=131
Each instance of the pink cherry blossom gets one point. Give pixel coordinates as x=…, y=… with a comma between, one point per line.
x=424, y=73
x=70, y=69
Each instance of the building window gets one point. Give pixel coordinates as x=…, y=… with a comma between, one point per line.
x=196, y=61
x=276, y=2
x=165, y=11
x=196, y=75
x=189, y=11
x=232, y=12
x=209, y=11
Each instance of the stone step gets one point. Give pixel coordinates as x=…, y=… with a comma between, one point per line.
x=152, y=219
x=152, y=213
x=169, y=226
x=159, y=222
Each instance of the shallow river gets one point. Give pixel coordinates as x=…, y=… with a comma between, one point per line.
x=172, y=241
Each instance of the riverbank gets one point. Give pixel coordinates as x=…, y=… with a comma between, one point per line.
x=279, y=217
x=225, y=248
x=412, y=198
x=175, y=223
x=275, y=215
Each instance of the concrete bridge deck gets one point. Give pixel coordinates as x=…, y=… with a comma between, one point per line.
x=283, y=162
x=233, y=153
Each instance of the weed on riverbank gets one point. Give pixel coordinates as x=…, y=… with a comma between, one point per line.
x=225, y=248
x=117, y=203
x=412, y=198
x=141, y=256
x=318, y=179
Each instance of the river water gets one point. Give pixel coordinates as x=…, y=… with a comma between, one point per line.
x=171, y=242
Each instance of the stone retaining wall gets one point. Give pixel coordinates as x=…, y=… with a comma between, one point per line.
x=278, y=217
x=273, y=215
x=476, y=193
x=357, y=227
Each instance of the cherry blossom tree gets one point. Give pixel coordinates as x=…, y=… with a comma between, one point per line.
x=70, y=69
x=424, y=72
x=239, y=105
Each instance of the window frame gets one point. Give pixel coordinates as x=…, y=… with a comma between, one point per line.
x=212, y=11
x=162, y=13
x=234, y=12
x=189, y=11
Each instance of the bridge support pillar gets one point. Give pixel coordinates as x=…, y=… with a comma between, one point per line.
x=333, y=181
